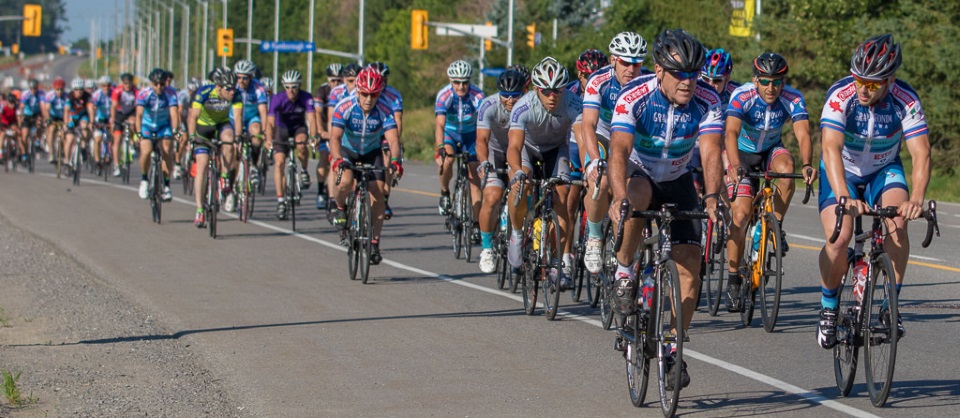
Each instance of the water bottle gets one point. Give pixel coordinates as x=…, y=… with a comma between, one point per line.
x=756, y=242
x=646, y=289
x=503, y=221
x=859, y=279
x=537, y=226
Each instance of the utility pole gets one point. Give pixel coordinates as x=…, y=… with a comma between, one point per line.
x=360, y=49
x=250, y=26
x=310, y=54
x=510, y=33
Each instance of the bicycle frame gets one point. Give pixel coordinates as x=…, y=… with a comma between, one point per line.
x=762, y=205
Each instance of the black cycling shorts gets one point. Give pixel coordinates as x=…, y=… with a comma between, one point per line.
x=285, y=136
x=683, y=193
x=374, y=158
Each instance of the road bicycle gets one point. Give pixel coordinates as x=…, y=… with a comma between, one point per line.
x=460, y=219
x=127, y=143
x=11, y=150
x=212, y=195
x=501, y=236
x=868, y=311
x=57, y=150
x=293, y=192
x=155, y=178
x=245, y=189
x=359, y=229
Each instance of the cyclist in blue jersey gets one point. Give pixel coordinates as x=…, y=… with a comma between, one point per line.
x=79, y=112
x=866, y=117
x=393, y=97
x=716, y=72
x=493, y=122
x=656, y=122
x=254, y=99
x=340, y=92
x=31, y=112
x=54, y=107
x=359, y=122
x=334, y=78
x=157, y=115
x=101, y=101
x=627, y=52
x=289, y=122
x=755, y=118
x=456, y=122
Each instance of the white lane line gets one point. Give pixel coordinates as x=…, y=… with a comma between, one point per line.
x=823, y=241
x=750, y=374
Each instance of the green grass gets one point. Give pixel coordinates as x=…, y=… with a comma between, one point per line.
x=4, y=319
x=418, y=131
x=12, y=392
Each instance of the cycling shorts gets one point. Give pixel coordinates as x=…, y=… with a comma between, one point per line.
x=554, y=163
x=248, y=121
x=754, y=162
x=576, y=169
x=469, y=141
x=889, y=177
x=684, y=195
x=75, y=120
x=499, y=161
x=120, y=118
x=284, y=136
x=374, y=158
x=156, y=134
x=210, y=132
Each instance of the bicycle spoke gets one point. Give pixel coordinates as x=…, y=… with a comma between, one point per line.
x=880, y=331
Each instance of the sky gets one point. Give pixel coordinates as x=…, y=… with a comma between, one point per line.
x=81, y=12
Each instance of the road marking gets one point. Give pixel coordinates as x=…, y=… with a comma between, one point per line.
x=750, y=374
x=401, y=189
x=918, y=257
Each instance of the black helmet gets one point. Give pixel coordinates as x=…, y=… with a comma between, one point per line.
x=381, y=67
x=520, y=68
x=770, y=64
x=126, y=77
x=334, y=70
x=351, y=69
x=11, y=97
x=691, y=53
x=157, y=75
x=511, y=81
x=876, y=58
x=33, y=83
x=224, y=77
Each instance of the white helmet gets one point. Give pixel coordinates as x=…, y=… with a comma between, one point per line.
x=77, y=84
x=629, y=47
x=291, y=77
x=549, y=74
x=267, y=83
x=105, y=80
x=244, y=67
x=459, y=70
x=89, y=83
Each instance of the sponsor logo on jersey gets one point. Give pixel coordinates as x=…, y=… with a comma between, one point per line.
x=621, y=109
x=846, y=92
x=835, y=106
x=706, y=95
x=636, y=93
x=902, y=94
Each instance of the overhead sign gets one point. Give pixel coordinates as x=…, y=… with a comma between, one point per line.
x=32, y=19
x=741, y=21
x=287, y=46
x=479, y=30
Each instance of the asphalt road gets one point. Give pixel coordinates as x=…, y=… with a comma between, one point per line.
x=275, y=316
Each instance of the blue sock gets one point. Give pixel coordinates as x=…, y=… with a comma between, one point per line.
x=486, y=240
x=143, y=177
x=899, y=285
x=828, y=298
x=594, y=229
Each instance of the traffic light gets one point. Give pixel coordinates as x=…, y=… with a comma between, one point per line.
x=532, y=35
x=418, y=30
x=488, y=44
x=32, y=19
x=14, y=49
x=224, y=42
x=99, y=53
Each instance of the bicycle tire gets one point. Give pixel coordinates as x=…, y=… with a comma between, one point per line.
x=607, y=275
x=242, y=182
x=579, y=239
x=213, y=196
x=550, y=242
x=32, y=155
x=637, y=363
x=662, y=312
x=185, y=176
x=76, y=160
x=747, y=292
x=466, y=223
x=880, y=339
x=846, y=352
x=456, y=228
x=56, y=156
x=529, y=278
x=156, y=177
x=289, y=192
x=365, y=236
x=594, y=284
x=353, y=251
x=772, y=280
x=715, y=265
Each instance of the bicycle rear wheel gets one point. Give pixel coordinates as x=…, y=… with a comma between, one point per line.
x=669, y=342
x=365, y=234
x=456, y=227
x=550, y=242
x=606, y=277
x=213, y=196
x=748, y=294
x=716, y=264
x=466, y=223
x=579, y=245
x=881, y=333
x=531, y=278
x=847, y=350
x=500, y=247
x=638, y=364
x=772, y=275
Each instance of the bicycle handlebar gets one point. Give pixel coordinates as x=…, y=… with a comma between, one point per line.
x=930, y=215
x=768, y=175
x=666, y=212
x=363, y=168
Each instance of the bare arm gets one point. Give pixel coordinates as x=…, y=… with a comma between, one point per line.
x=438, y=131
x=483, y=144
x=588, y=130
x=620, y=145
x=515, y=149
x=336, y=135
x=919, y=148
x=732, y=132
x=138, y=120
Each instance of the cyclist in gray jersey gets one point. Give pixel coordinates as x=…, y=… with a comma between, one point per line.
x=540, y=124
x=493, y=123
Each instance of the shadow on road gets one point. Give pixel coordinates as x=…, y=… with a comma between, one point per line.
x=756, y=403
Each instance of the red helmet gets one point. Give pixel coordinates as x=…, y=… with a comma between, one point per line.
x=370, y=81
x=58, y=83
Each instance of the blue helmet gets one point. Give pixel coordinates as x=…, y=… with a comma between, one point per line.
x=719, y=64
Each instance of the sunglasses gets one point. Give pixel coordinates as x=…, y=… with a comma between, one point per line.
x=460, y=82
x=334, y=80
x=228, y=89
x=777, y=82
x=628, y=63
x=511, y=95
x=685, y=75
x=291, y=87
x=362, y=94
x=706, y=79
x=350, y=80
x=551, y=92
x=243, y=77
x=871, y=85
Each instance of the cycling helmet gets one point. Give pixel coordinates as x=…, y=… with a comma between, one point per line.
x=267, y=83
x=351, y=69
x=291, y=77
x=334, y=70
x=511, y=81
x=89, y=83
x=33, y=83
x=105, y=80
x=193, y=84
x=590, y=61
x=11, y=97
x=522, y=70
x=719, y=64
x=126, y=77
x=167, y=75
x=770, y=64
x=224, y=77
x=629, y=47
x=244, y=67
x=157, y=75
x=691, y=55
x=76, y=84
x=58, y=83
x=459, y=70
x=370, y=81
x=876, y=58
x=380, y=67
x=549, y=74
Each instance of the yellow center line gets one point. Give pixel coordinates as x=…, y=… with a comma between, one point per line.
x=401, y=189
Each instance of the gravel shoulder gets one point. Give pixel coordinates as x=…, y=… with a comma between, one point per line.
x=85, y=349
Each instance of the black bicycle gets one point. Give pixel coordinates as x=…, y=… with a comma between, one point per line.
x=358, y=233
x=155, y=178
x=868, y=312
x=460, y=219
x=292, y=190
x=501, y=236
x=212, y=195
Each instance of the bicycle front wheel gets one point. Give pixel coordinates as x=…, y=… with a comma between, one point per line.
x=531, y=278
x=847, y=350
x=748, y=294
x=669, y=336
x=550, y=265
x=716, y=264
x=156, y=178
x=364, y=235
x=606, y=275
x=881, y=330
x=353, y=248
x=457, y=227
x=213, y=197
x=638, y=365
x=580, y=242
x=772, y=278
x=466, y=222
x=292, y=181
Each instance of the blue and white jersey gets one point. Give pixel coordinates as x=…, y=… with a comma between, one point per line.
x=461, y=112
x=762, y=122
x=601, y=94
x=101, y=101
x=872, y=135
x=362, y=132
x=156, y=108
x=57, y=102
x=252, y=97
x=393, y=97
x=30, y=103
x=663, y=133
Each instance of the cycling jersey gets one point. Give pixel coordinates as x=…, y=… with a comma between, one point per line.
x=762, y=122
x=30, y=102
x=337, y=94
x=102, y=101
x=493, y=116
x=214, y=110
x=545, y=130
x=461, y=112
x=291, y=114
x=664, y=133
x=727, y=93
x=601, y=94
x=361, y=133
x=57, y=102
x=156, y=110
x=574, y=87
x=8, y=114
x=872, y=135
x=126, y=100
x=252, y=97
x=393, y=98
x=78, y=105
x=320, y=102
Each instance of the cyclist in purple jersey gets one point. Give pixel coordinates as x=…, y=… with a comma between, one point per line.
x=291, y=117
x=320, y=100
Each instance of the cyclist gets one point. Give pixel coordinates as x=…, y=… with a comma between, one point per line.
x=268, y=86
x=210, y=118
x=80, y=111
x=123, y=109
x=493, y=122
x=89, y=85
x=184, y=98
x=627, y=52
x=320, y=103
x=656, y=121
x=539, y=126
x=393, y=97
x=30, y=112
x=101, y=101
x=54, y=105
x=523, y=70
x=8, y=119
x=254, y=99
x=858, y=153
x=340, y=92
x=755, y=116
x=289, y=120
x=456, y=121
x=716, y=72
x=157, y=115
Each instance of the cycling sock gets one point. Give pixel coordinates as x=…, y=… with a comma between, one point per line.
x=568, y=260
x=899, y=285
x=445, y=193
x=828, y=298
x=280, y=199
x=486, y=240
x=199, y=210
x=733, y=278
x=143, y=177
x=166, y=181
x=622, y=269
x=516, y=235
x=594, y=229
